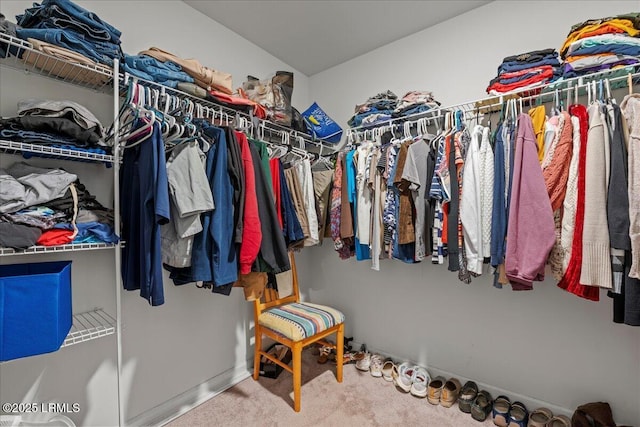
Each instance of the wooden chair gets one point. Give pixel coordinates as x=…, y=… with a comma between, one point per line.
x=296, y=325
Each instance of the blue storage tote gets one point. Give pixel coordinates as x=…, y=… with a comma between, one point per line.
x=35, y=308
x=321, y=125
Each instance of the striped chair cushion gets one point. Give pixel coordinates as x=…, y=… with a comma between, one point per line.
x=298, y=321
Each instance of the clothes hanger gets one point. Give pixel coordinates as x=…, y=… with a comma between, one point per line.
x=142, y=133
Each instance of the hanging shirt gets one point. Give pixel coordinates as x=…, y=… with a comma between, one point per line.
x=363, y=191
x=144, y=206
x=190, y=196
x=415, y=172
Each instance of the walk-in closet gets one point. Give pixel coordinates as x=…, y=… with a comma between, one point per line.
x=319, y=213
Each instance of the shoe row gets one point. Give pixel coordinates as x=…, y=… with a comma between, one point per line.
x=416, y=380
x=507, y=414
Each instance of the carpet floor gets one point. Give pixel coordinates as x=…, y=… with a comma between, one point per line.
x=359, y=400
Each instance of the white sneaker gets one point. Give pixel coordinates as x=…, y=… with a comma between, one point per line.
x=405, y=377
x=376, y=365
x=364, y=363
x=420, y=381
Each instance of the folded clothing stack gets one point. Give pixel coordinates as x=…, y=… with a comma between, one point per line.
x=205, y=77
x=526, y=71
x=166, y=73
x=376, y=109
x=49, y=207
x=602, y=44
x=59, y=124
x=386, y=106
x=67, y=25
x=415, y=102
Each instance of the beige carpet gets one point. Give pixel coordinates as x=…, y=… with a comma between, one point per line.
x=360, y=400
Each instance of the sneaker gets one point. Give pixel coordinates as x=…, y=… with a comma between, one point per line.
x=364, y=363
x=435, y=389
x=405, y=377
x=387, y=370
x=420, y=380
x=376, y=365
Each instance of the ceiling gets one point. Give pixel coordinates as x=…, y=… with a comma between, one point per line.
x=314, y=35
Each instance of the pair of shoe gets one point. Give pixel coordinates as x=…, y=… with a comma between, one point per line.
x=543, y=417
x=325, y=353
x=474, y=402
x=370, y=362
x=411, y=379
x=443, y=392
x=507, y=414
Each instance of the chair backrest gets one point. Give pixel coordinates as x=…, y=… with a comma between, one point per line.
x=270, y=297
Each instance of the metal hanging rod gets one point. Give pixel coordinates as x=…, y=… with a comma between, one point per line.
x=227, y=112
x=489, y=103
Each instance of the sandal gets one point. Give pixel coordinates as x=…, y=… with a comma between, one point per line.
x=559, y=421
x=481, y=406
x=467, y=396
x=540, y=417
x=324, y=354
x=501, y=411
x=387, y=370
x=518, y=415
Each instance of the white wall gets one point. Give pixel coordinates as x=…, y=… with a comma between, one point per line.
x=544, y=346
x=196, y=336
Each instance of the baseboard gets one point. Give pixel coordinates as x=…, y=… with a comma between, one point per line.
x=184, y=402
x=529, y=401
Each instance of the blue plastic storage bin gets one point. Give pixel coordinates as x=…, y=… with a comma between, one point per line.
x=35, y=308
x=321, y=125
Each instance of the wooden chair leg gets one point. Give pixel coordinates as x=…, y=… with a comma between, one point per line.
x=297, y=375
x=256, y=355
x=339, y=352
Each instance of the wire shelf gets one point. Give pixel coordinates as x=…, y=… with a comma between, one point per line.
x=62, y=248
x=89, y=326
x=274, y=129
x=12, y=147
x=22, y=55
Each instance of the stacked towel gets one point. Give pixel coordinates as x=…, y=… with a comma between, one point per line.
x=602, y=44
x=526, y=71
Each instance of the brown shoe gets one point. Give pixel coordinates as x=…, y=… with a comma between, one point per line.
x=435, y=390
x=450, y=392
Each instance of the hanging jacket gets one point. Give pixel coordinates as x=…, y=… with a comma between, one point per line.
x=214, y=257
x=273, y=256
x=470, y=204
x=251, y=230
x=236, y=174
x=618, y=195
x=531, y=229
